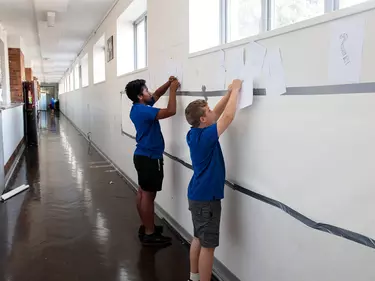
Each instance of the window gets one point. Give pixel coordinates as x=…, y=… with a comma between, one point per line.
x=204, y=24
x=71, y=81
x=140, y=31
x=132, y=38
x=215, y=22
x=85, y=71
x=76, y=76
x=292, y=11
x=243, y=18
x=348, y=3
x=99, y=60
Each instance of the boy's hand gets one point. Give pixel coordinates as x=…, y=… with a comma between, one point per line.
x=236, y=84
x=175, y=85
x=171, y=79
x=230, y=88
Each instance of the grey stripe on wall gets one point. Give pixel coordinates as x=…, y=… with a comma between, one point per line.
x=331, y=229
x=293, y=91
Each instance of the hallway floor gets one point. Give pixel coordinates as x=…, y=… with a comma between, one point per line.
x=78, y=221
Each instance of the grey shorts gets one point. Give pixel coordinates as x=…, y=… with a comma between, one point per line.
x=206, y=220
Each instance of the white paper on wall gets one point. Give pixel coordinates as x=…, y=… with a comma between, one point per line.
x=254, y=57
x=246, y=95
x=247, y=91
x=234, y=65
x=174, y=68
x=163, y=67
x=274, y=71
x=206, y=70
x=345, y=55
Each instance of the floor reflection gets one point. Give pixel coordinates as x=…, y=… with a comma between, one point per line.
x=72, y=224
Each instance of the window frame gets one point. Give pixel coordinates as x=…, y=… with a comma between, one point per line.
x=142, y=18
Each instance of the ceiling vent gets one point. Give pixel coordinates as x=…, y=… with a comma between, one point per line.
x=51, y=19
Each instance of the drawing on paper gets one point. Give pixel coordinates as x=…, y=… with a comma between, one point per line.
x=345, y=56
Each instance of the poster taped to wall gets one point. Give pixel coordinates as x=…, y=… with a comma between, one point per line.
x=345, y=54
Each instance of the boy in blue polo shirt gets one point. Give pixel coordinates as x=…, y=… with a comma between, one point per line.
x=148, y=156
x=206, y=188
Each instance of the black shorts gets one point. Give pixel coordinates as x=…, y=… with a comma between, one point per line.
x=150, y=172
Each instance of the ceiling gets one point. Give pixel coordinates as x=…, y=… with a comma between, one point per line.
x=51, y=50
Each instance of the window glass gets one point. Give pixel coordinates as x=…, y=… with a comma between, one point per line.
x=141, y=44
x=204, y=24
x=292, y=11
x=243, y=18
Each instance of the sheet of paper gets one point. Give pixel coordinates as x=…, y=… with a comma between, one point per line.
x=208, y=71
x=174, y=68
x=254, y=57
x=345, y=54
x=234, y=65
x=247, y=92
x=276, y=77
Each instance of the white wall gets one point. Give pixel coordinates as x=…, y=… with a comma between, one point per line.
x=12, y=130
x=4, y=54
x=313, y=153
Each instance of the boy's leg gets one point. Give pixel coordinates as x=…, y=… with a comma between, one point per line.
x=147, y=211
x=206, y=261
x=195, y=250
x=206, y=219
x=150, y=178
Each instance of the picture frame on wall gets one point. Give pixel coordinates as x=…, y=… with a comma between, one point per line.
x=110, y=50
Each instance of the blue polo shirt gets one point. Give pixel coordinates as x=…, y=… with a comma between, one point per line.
x=208, y=180
x=150, y=141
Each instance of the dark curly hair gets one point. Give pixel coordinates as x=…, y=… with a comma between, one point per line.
x=135, y=88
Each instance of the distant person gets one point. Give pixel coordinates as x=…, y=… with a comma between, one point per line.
x=148, y=156
x=206, y=188
x=52, y=105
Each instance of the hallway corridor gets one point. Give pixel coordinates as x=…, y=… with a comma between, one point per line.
x=78, y=221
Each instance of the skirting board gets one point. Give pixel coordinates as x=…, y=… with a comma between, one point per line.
x=221, y=272
x=14, y=165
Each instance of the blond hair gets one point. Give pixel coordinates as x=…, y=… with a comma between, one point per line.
x=194, y=111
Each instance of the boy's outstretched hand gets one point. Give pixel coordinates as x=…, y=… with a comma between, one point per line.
x=236, y=84
x=171, y=79
x=175, y=85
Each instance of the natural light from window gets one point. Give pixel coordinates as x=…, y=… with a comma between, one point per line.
x=76, y=77
x=348, y=3
x=132, y=38
x=85, y=70
x=71, y=81
x=140, y=29
x=99, y=60
x=204, y=24
x=291, y=11
x=243, y=18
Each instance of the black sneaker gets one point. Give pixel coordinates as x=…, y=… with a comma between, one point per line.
x=156, y=240
x=141, y=232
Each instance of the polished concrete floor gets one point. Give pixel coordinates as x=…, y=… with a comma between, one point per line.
x=78, y=221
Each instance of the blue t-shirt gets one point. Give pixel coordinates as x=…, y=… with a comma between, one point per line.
x=208, y=180
x=150, y=141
